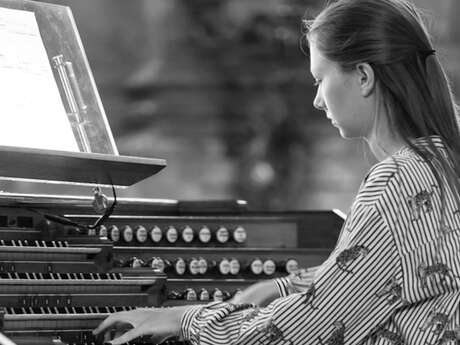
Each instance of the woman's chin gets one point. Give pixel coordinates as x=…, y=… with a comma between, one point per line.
x=346, y=134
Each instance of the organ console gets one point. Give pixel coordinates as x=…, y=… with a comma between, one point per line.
x=64, y=267
x=57, y=282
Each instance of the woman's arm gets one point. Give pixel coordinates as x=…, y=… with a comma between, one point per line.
x=344, y=304
x=167, y=320
x=264, y=292
x=346, y=301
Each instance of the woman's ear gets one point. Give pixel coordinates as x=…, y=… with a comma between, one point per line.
x=366, y=77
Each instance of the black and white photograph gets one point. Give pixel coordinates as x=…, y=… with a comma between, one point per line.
x=229, y=172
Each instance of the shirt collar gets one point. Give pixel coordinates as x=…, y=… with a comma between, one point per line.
x=424, y=142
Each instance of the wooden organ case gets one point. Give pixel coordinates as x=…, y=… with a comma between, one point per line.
x=66, y=262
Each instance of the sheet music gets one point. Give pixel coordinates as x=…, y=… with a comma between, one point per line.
x=32, y=112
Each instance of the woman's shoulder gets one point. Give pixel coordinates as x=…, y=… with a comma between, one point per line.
x=397, y=170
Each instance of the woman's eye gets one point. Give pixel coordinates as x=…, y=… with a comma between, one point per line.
x=317, y=82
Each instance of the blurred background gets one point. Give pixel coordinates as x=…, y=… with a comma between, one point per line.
x=222, y=91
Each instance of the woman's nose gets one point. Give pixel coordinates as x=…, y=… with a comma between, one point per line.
x=318, y=102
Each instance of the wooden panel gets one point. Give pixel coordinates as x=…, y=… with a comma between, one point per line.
x=77, y=167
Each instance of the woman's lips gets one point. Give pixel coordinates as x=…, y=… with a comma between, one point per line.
x=333, y=122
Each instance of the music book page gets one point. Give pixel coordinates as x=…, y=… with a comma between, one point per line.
x=32, y=112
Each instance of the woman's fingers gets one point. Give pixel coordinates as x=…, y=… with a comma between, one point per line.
x=307, y=274
x=118, y=333
x=123, y=327
x=158, y=339
x=313, y=268
x=302, y=282
x=303, y=276
x=107, y=336
x=127, y=336
x=113, y=320
x=302, y=279
x=135, y=333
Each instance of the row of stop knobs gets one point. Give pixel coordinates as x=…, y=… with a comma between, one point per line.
x=190, y=294
x=201, y=266
x=172, y=235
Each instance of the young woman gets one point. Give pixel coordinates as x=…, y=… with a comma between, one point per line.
x=394, y=275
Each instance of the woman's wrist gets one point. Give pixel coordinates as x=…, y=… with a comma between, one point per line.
x=186, y=318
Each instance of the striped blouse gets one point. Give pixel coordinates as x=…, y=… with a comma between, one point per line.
x=393, y=277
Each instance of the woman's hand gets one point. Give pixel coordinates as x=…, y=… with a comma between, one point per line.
x=261, y=294
x=301, y=279
x=264, y=292
x=159, y=323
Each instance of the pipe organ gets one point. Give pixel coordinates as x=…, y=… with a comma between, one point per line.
x=57, y=282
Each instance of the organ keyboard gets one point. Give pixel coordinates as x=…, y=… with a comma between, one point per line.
x=57, y=282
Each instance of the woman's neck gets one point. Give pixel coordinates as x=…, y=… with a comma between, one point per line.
x=385, y=145
x=382, y=139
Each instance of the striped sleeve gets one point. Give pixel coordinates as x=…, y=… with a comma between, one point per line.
x=350, y=295
x=297, y=281
x=283, y=285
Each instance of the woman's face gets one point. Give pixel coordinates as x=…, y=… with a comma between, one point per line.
x=340, y=95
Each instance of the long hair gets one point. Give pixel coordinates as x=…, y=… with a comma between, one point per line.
x=391, y=36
